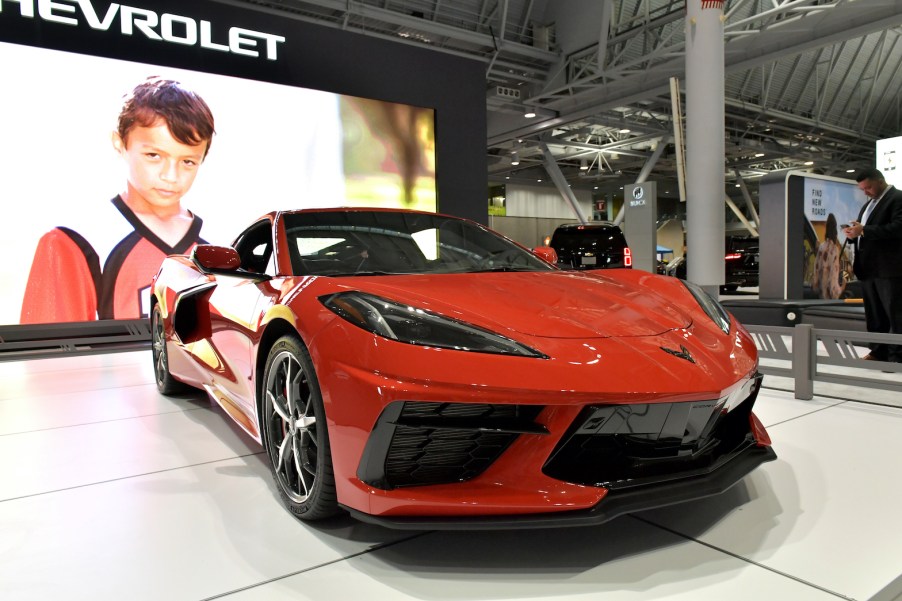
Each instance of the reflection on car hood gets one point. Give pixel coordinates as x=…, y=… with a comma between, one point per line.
x=544, y=304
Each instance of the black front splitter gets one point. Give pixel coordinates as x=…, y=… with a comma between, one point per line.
x=615, y=504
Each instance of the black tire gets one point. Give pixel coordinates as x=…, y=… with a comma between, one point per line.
x=166, y=384
x=295, y=435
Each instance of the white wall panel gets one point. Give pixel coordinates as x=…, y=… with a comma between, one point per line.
x=544, y=201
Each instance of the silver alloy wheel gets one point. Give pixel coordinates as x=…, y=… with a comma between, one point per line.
x=160, y=362
x=291, y=432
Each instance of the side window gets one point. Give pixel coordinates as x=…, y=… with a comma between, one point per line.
x=254, y=246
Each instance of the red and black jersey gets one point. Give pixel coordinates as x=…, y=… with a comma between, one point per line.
x=66, y=282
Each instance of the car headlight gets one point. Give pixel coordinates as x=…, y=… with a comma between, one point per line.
x=417, y=326
x=713, y=308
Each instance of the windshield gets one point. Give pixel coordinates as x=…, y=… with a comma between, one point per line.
x=351, y=243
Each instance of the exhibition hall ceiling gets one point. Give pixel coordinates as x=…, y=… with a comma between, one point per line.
x=810, y=84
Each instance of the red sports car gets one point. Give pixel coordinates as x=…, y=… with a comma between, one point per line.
x=422, y=371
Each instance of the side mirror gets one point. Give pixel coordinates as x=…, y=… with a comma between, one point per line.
x=216, y=258
x=546, y=253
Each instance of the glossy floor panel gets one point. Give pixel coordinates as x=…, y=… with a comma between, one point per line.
x=835, y=517
x=626, y=559
x=112, y=491
x=187, y=533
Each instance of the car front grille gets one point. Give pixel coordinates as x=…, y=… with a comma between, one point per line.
x=421, y=443
x=621, y=446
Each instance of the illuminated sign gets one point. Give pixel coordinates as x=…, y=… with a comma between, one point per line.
x=889, y=152
x=166, y=27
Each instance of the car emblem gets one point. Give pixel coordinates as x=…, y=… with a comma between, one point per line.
x=683, y=353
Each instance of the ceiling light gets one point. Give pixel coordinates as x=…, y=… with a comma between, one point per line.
x=808, y=163
x=414, y=35
x=625, y=130
x=515, y=158
x=758, y=155
x=538, y=111
x=583, y=165
x=850, y=171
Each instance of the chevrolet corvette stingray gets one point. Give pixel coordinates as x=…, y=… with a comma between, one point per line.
x=421, y=371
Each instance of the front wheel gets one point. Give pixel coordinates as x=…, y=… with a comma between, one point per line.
x=295, y=433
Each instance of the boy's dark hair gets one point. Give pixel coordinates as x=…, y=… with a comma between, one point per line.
x=188, y=117
x=869, y=173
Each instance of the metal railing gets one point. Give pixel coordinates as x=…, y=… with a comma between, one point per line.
x=809, y=351
x=43, y=341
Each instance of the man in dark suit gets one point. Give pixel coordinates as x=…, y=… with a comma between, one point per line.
x=877, y=235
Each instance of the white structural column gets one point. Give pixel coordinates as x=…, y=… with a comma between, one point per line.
x=705, y=149
x=554, y=172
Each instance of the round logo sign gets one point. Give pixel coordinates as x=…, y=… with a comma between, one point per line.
x=638, y=192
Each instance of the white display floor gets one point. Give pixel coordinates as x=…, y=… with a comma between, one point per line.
x=112, y=491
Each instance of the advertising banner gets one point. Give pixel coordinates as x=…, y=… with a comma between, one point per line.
x=102, y=174
x=828, y=205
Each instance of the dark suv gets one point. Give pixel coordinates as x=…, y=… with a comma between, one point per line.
x=741, y=262
x=599, y=245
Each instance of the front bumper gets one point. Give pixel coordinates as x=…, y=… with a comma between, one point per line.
x=615, y=504
x=472, y=437
x=468, y=467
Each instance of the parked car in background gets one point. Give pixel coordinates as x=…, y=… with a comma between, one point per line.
x=600, y=245
x=741, y=262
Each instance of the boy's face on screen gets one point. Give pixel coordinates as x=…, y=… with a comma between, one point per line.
x=160, y=168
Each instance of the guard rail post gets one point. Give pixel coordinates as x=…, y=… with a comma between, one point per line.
x=803, y=351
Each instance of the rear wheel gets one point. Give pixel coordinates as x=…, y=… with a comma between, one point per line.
x=295, y=433
x=166, y=384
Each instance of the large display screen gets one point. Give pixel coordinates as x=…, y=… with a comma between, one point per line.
x=71, y=236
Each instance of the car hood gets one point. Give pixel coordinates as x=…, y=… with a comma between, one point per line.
x=542, y=304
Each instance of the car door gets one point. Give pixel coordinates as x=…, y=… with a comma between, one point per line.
x=235, y=304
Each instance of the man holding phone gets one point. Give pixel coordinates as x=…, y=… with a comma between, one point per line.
x=877, y=236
